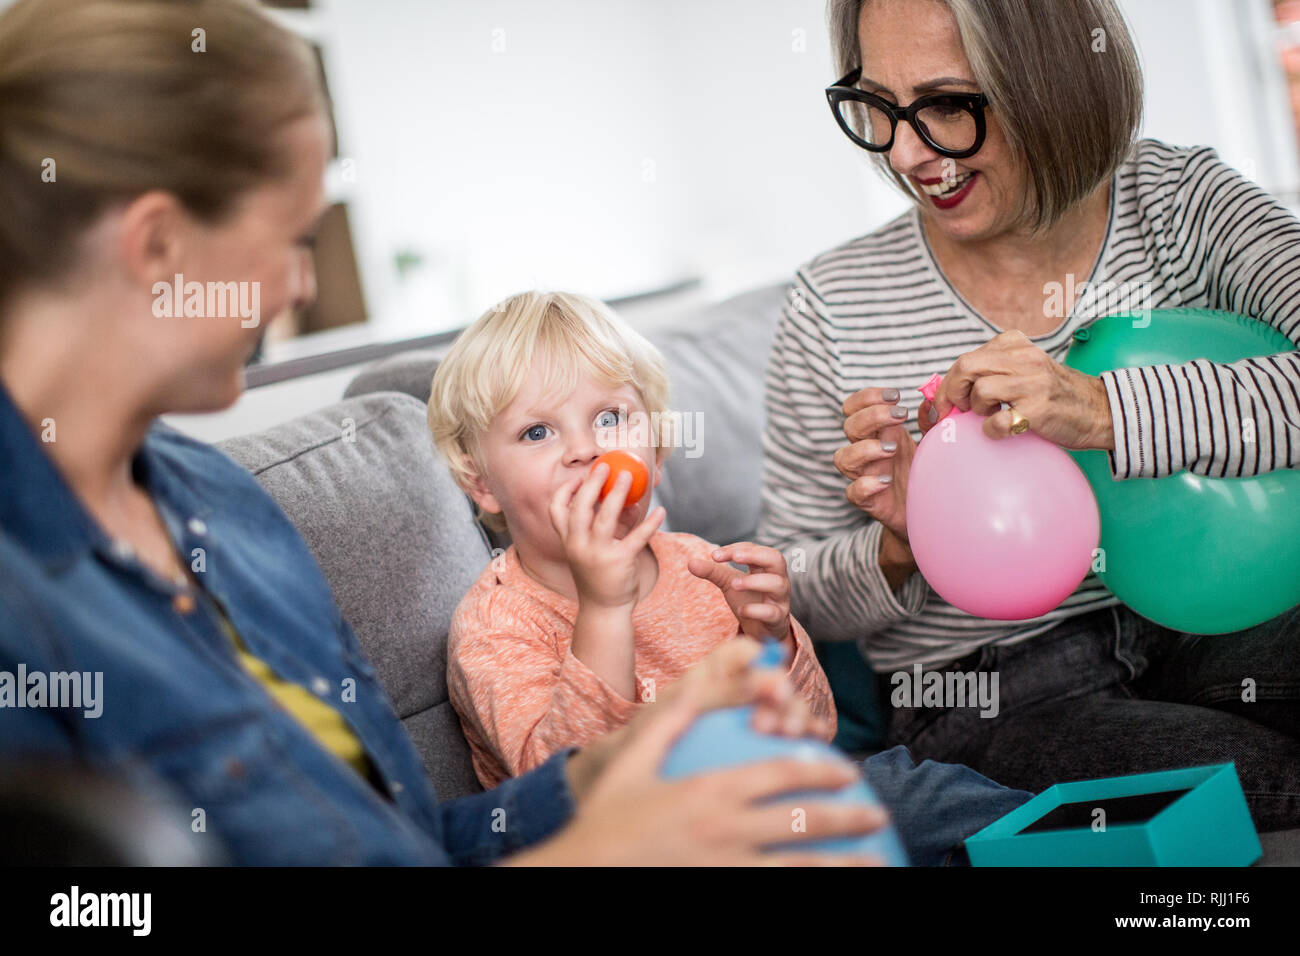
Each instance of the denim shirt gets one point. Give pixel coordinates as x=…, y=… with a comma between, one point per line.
x=177, y=706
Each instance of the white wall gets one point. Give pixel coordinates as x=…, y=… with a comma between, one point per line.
x=1213, y=78
x=609, y=146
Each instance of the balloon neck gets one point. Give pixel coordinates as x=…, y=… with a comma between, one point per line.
x=930, y=388
x=771, y=655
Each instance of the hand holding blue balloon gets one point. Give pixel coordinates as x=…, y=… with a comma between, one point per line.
x=726, y=738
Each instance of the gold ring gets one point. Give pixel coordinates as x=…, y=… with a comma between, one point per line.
x=1019, y=423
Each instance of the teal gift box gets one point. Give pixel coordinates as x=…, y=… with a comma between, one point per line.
x=1192, y=817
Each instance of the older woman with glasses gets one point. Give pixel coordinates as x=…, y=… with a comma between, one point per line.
x=1012, y=126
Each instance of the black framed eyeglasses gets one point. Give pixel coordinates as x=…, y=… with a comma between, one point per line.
x=952, y=124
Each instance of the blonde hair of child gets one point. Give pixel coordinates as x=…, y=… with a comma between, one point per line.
x=564, y=334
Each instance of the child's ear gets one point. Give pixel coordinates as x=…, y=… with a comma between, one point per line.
x=478, y=489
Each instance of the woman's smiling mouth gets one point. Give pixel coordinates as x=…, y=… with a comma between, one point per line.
x=947, y=192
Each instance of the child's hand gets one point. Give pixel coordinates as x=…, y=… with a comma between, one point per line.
x=604, y=567
x=760, y=601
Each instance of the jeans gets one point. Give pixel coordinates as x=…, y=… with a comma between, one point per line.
x=1110, y=693
x=935, y=806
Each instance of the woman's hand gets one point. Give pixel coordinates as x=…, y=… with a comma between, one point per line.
x=628, y=815
x=760, y=599
x=1065, y=406
x=879, y=457
x=604, y=567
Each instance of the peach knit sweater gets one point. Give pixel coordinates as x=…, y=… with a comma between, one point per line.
x=521, y=693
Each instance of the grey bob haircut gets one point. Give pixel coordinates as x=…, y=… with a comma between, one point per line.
x=1063, y=78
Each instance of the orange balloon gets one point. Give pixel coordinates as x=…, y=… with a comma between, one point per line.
x=619, y=462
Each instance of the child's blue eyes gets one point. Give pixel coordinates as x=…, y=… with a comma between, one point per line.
x=609, y=418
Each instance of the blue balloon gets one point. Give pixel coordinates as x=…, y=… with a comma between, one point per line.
x=726, y=738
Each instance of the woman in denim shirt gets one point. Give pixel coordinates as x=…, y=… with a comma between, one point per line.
x=134, y=163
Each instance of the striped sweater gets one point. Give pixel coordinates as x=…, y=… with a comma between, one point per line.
x=877, y=312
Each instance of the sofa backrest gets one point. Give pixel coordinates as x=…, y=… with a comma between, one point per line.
x=397, y=542
x=717, y=360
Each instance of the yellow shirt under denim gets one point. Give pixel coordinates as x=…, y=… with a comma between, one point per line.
x=321, y=720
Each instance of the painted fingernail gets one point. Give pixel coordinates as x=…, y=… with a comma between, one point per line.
x=886, y=479
x=889, y=446
x=898, y=412
x=890, y=394
x=934, y=414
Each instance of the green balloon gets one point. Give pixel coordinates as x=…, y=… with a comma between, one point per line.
x=1195, y=554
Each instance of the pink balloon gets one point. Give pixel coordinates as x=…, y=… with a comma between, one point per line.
x=1000, y=528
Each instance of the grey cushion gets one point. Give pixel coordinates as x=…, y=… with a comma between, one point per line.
x=398, y=543
x=716, y=356
x=408, y=372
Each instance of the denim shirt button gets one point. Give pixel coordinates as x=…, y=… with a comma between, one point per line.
x=183, y=604
x=396, y=787
x=320, y=686
x=123, y=550
x=197, y=527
